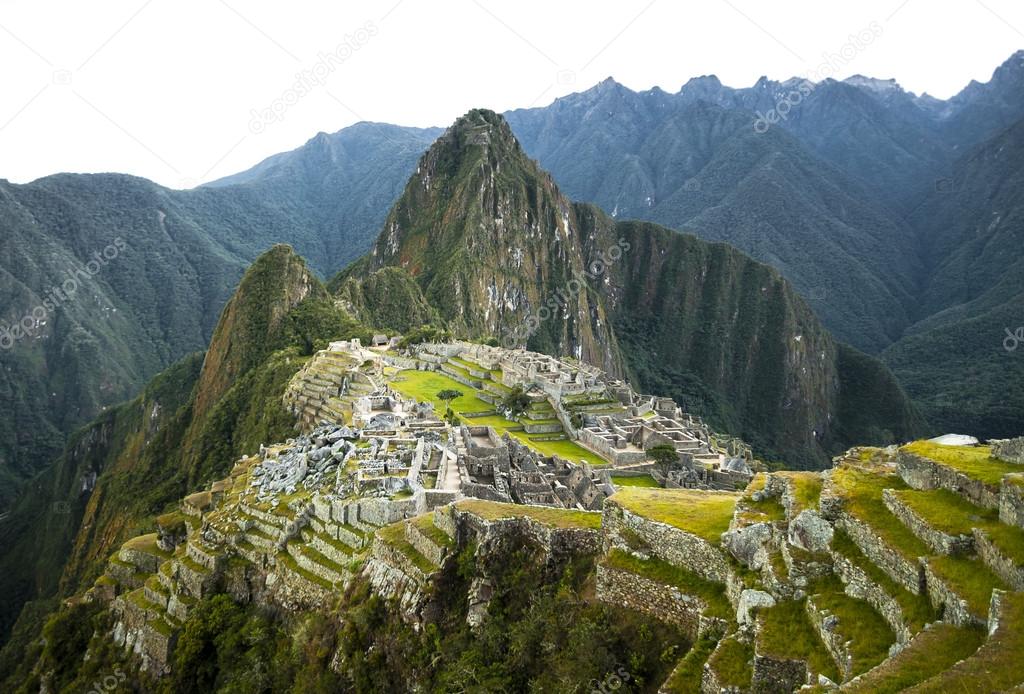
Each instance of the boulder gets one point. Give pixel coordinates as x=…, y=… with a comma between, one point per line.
x=749, y=544
x=811, y=532
x=750, y=600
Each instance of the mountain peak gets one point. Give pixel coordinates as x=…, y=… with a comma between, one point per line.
x=873, y=84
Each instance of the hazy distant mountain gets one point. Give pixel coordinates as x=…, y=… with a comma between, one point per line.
x=705, y=169
x=960, y=362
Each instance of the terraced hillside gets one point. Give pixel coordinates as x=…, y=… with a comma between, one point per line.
x=897, y=568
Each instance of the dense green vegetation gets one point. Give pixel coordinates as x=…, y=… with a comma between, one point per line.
x=540, y=635
x=184, y=431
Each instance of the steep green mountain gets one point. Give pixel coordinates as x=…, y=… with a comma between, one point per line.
x=955, y=362
x=499, y=252
x=175, y=258
x=186, y=428
x=489, y=238
x=705, y=168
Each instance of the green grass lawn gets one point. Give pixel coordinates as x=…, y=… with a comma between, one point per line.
x=806, y=489
x=968, y=578
x=974, y=461
x=858, y=621
x=928, y=654
x=425, y=385
x=950, y=513
x=733, y=661
x=685, y=679
x=862, y=492
x=786, y=632
x=996, y=666
x=917, y=609
x=557, y=517
x=702, y=513
x=642, y=481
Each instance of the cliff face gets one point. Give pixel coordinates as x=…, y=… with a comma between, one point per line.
x=722, y=333
x=500, y=252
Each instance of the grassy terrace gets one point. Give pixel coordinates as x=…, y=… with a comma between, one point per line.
x=642, y=481
x=806, y=489
x=425, y=524
x=862, y=490
x=950, y=513
x=931, y=652
x=968, y=578
x=996, y=666
x=917, y=609
x=289, y=561
x=555, y=517
x=147, y=544
x=704, y=514
x=466, y=365
x=689, y=583
x=974, y=461
x=858, y=621
x=732, y=661
x=685, y=679
x=394, y=535
x=425, y=385
x=786, y=632
x=767, y=510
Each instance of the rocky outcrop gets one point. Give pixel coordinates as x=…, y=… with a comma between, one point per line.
x=810, y=532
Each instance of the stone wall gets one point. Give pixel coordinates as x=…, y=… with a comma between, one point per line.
x=908, y=574
x=921, y=473
x=859, y=585
x=1010, y=450
x=558, y=543
x=382, y=512
x=436, y=554
x=937, y=540
x=1011, y=500
x=1002, y=566
x=831, y=635
x=954, y=609
x=773, y=675
x=661, y=601
x=671, y=544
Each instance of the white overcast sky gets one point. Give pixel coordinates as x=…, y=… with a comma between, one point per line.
x=166, y=88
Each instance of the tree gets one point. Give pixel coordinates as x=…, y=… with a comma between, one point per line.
x=516, y=402
x=664, y=456
x=447, y=395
